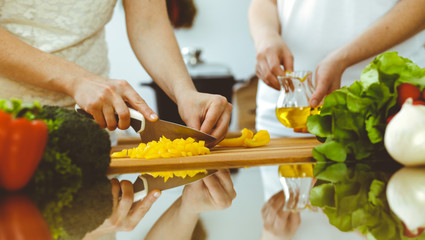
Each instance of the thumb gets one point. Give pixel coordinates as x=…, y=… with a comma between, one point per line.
x=318, y=95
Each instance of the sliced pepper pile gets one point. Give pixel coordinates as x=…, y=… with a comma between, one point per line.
x=247, y=139
x=165, y=148
x=182, y=173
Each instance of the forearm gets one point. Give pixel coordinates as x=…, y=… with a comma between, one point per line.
x=175, y=223
x=403, y=21
x=22, y=62
x=153, y=41
x=263, y=21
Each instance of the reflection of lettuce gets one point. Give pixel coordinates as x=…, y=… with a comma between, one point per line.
x=353, y=197
x=352, y=120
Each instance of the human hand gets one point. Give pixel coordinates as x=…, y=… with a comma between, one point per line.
x=126, y=214
x=209, y=113
x=214, y=192
x=328, y=78
x=278, y=223
x=103, y=98
x=270, y=56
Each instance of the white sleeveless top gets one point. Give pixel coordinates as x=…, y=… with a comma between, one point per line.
x=312, y=29
x=73, y=30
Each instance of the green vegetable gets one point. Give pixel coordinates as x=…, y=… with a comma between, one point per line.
x=353, y=197
x=352, y=121
x=83, y=140
x=76, y=155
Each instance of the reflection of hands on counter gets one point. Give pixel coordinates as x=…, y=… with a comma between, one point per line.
x=214, y=192
x=125, y=214
x=278, y=223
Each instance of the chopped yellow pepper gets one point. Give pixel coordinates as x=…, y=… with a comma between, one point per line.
x=182, y=174
x=165, y=148
x=247, y=139
x=261, y=138
x=239, y=141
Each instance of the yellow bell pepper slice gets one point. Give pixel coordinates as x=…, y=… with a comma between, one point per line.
x=237, y=142
x=120, y=154
x=261, y=138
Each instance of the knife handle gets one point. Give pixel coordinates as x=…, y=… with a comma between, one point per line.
x=137, y=120
x=140, y=188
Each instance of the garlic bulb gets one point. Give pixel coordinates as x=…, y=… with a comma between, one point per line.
x=405, y=135
x=406, y=197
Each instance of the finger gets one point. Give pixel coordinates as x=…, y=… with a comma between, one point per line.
x=279, y=201
x=115, y=192
x=272, y=81
x=222, y=126
x=126, y=201
x=288, y=61
x=320, y=92
x=194, y=122
x=294, y=221
x=225, y=179
x=276, y=70
x=109, y=115
x=137, y=102
x=264, y=73
x=217, y=192
x=268, y=206
x=123, y=113
x=142, y=207
x=213, y=114
x=261, y=67
x=98, y=117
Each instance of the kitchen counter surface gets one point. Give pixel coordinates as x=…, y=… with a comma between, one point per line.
x=349, y=198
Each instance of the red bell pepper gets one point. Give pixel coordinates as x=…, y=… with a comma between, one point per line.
x=22, y=144
x=21, y=219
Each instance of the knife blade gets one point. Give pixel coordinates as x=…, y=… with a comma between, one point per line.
x=145, y=183
x=152, y=131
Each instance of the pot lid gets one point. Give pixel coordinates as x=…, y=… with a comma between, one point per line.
x=198, y=68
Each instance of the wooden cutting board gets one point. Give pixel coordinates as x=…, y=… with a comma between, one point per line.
x=278, y=151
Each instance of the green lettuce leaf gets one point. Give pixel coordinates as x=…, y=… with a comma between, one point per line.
x=352, y=120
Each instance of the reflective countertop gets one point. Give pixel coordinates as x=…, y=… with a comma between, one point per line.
x=347, y=201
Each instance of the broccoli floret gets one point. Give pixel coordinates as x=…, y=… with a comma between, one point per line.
x=83, y=140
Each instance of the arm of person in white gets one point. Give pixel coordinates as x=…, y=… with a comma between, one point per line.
x=403, y=21
x=272, y=52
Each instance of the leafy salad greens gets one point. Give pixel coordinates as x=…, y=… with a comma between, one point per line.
x=352, y=121
x=353, y=197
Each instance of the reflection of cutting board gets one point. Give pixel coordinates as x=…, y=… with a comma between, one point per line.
x=278, y=151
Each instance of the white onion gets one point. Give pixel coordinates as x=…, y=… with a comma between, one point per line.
x=405, y=135
x=406, y=196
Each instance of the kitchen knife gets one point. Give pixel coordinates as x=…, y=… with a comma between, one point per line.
x=152, y=131
x=146, y=183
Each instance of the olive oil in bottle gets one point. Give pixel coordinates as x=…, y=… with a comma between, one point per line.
x=295, y=117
